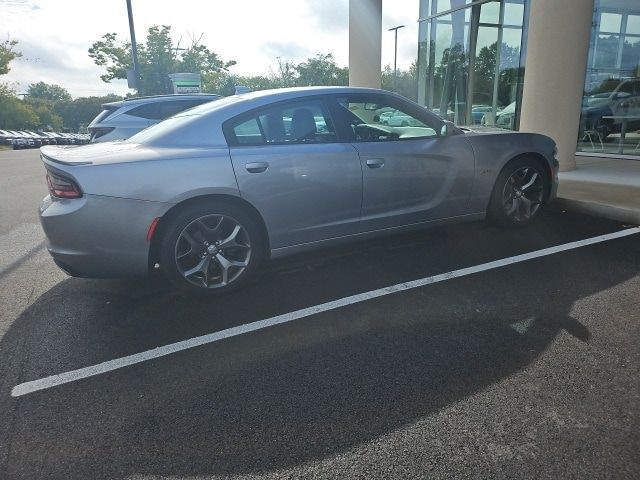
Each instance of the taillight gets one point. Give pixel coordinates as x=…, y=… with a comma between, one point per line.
x=98, y=132
x=62, y=187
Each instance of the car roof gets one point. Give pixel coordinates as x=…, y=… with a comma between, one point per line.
x=161, y=98
x=264, y=97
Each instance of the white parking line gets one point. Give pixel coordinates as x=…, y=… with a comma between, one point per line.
x=104, y=367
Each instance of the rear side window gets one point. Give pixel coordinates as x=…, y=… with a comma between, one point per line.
x=104, y=114
x=248, y=133
x=301, y=122
x=171, y=108
x=162, y=110
x=150, y=111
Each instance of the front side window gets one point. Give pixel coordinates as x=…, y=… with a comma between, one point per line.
x=301, y=122
x=376, y=118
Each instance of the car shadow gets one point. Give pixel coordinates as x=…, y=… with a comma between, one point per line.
x=278, y=397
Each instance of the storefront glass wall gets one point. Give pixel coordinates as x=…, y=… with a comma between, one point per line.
x=471, y=60
x=610, y=120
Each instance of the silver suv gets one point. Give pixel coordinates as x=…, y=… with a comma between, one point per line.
x=120, y=120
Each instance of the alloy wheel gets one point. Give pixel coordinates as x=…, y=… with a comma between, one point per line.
x=523, y=194
x=213, y=251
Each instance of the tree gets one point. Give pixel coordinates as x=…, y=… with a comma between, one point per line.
x=157, y=59
x=47, y=119
x=286, y=75
x=48, y=92
x=224, y=83
x=321, y=70
x=407, y=84
x=7, y=54
x=14, y=113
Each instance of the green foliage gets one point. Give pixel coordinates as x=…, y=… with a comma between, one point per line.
x=48, y=92
x=7, y=54
x=224, y=83
x=318, y=70
x=47, y=119
x=407, y=83
x=50, y=108
x=16, y=114
x=321, y=70
x=157, y=58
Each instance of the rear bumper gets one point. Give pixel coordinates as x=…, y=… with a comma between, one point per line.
x=99, y=237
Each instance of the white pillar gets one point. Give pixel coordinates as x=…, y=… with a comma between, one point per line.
x=365, y=43
x=557, y=49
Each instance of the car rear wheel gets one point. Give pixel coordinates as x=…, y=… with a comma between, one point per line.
x=210, y=249
x=519, y=193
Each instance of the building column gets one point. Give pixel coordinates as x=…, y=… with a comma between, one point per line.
x=365, y=43
x=556, y=63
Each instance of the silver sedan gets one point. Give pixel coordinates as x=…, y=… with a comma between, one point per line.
x=208, y=194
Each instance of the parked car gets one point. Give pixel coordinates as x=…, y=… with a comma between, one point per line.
x=21, y=140
x=39, y=140
x=505, y=118
x=6, y=138
x=120, y=120
x=400, y=119
x=51, y=138
x=600, y=109
x=478, y=111
x=205, y=196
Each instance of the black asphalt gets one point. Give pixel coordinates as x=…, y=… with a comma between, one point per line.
x=526, y=371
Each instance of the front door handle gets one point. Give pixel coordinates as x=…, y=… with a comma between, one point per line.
x=256, y=167
x=375, y=162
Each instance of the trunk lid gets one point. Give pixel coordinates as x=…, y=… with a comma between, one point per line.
x=95, y=154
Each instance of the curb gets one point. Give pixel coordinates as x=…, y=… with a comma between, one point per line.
x=613, y=212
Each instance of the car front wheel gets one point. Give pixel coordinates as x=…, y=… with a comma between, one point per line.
x=210, y=249
x=519, y=194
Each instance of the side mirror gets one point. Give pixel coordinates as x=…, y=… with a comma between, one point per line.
x=447, y=129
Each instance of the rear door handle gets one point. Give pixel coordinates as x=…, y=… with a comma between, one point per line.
x=375, y=162
x=256, y=167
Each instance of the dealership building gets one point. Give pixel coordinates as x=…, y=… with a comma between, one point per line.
x=565, y=68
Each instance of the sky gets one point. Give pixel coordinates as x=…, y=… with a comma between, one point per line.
x=54, y=35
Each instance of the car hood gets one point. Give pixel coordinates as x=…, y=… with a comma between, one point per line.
x=478, y=129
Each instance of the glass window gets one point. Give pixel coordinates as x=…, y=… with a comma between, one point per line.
x=150, y=111
x=610, y=22
x=633, y=24
x=470, y=65
x=169, y=109
x=375, y=118
x=610, y=119
x=291, y=123
x=248, y=133
x=513, y=12
x=490, y=12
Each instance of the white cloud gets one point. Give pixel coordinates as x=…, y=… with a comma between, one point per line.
x=55, y=35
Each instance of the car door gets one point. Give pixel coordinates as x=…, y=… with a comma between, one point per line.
x=289, y=164
x=410, y=173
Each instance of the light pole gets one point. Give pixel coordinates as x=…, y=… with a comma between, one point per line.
x=395, y=57
x=134, y=48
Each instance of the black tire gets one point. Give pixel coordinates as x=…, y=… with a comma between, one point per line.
x=501, y=204
x=173, y=233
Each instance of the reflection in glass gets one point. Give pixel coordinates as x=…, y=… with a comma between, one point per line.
x=610, y=22
x=490, y=12
x=610, y=118
x=513, y=13
x=469, y=63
